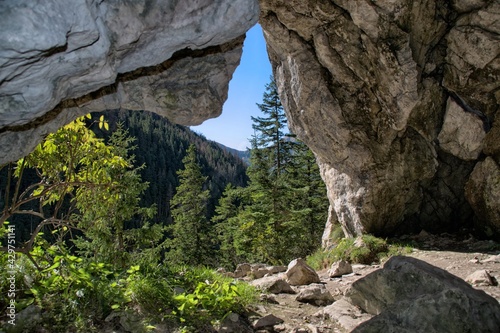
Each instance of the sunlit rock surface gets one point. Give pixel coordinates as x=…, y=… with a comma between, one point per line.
x=396, y=98
x=62, y=59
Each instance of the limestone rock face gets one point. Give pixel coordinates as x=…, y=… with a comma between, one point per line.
x=409, y=295
x=483, y=193
x=462, y=134
x=60, y=60
x=396, y=99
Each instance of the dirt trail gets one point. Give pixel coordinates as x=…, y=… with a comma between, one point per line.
x=459, y=257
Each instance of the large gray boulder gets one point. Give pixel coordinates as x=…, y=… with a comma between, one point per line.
x=315, y=294
x=275, y=284
x=410, y=295
x=339, y=268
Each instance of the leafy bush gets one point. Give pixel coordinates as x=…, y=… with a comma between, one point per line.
x=76, y=294
x=209, y=296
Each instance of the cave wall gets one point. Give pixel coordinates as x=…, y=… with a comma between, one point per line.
x=397, y=98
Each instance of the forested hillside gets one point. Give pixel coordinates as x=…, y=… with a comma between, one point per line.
x=161, y=146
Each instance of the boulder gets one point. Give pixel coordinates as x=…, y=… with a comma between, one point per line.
x=267, y=321
x=339, y=268
x=259, y=273
x=242, y=270
x=483, y=193
x=410, y=295
x=130, y=321
x=276, y=269
x=480, y=278
x=493, y=258
x=273, y=284
x=315, y=294
x=300, y=273
x=259, y=270
x=234, y=323
x=268, y=298
x=345, y=314
x=26, y=320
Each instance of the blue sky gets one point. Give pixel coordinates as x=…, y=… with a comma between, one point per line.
x=233, y=128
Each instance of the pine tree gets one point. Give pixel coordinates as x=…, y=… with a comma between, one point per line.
x=226, y=223
x=192, y=242
x=270, y=130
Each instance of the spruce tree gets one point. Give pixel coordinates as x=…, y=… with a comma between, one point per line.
x=308, y=202
x=192, y=242
x=271, y=130
x=265, y=218
x=227, y=225
x=286, y=205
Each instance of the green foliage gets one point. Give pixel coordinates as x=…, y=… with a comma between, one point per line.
x=93, y=252
x=366, y=249
x=161, y=146
x=320, y=259
x=75, y=294
x=87, y=190
x=209, y=296
x=103, y=214
x=192, y=235
x=227, y=226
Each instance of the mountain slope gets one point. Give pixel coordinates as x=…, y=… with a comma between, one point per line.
x=161, y=146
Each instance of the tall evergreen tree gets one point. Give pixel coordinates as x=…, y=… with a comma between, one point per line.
x=192, y=242
x=308, y=201
x=270, y=154
x=286, y=199
x=226, y=223
x=271, y=130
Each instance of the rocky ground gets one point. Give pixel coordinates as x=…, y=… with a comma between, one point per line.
x=458, y=255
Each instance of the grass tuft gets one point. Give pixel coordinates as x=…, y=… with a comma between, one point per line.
x=366, y=249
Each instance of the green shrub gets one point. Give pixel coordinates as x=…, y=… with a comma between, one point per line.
x=366, y=249
x=320, y=259
x=209, y=296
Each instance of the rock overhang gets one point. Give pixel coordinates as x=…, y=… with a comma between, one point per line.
x=366, y=86
x=61, y=60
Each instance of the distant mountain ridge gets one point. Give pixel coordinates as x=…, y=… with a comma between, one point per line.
x=244, y=155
